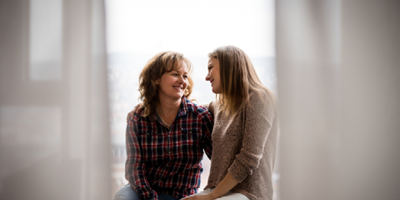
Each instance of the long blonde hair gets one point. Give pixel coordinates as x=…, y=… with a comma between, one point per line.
x=238, y=76
x=158, y=65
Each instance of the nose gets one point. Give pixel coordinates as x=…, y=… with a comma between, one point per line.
x=182, y=80
x=208, y=77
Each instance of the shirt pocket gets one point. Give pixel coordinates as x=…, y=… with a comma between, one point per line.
x=153, y=146
x=146, y=133
x=189, y=145
x=190, y=135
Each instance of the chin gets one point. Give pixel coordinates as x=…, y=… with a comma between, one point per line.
x=179, y=96
x=215, y=91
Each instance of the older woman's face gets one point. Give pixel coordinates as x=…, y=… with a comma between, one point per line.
x=174, y=83
x=214, y=76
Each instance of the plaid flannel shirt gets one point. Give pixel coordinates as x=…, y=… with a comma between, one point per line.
x=168, y=161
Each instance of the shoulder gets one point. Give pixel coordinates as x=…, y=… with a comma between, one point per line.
x=262, y=103
x=262, y=96
x=139, y=123
x=137, y=117
x=198, y=110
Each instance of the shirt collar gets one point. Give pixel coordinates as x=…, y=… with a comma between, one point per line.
x=183, y=108
x=185, y=105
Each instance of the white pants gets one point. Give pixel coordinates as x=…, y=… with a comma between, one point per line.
x=227, y=196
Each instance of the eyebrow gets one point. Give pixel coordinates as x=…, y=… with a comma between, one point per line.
x=179, y=71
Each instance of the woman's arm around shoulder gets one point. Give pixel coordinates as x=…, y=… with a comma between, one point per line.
x=210, y=106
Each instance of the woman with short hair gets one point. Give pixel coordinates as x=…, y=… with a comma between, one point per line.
x=166, y=139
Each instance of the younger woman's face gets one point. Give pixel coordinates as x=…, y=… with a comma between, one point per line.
x=214, y=76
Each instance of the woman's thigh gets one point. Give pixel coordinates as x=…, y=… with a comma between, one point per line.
x=162, y=196
x=233, y=196
x=126, y=193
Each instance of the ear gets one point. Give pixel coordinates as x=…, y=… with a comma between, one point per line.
x=157, y=81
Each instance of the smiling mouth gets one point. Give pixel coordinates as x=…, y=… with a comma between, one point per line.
x=178, y=87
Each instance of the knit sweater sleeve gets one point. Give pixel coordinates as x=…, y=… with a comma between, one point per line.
x=257, y=118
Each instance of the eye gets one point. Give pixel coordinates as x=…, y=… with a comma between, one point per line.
x=209, y=68
x=185, y=76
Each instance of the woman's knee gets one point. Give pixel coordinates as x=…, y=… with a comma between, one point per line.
x=126, y=193
x=162, y=196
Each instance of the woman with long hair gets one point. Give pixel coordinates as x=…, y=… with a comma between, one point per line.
x=245, y=130
x=166, y=139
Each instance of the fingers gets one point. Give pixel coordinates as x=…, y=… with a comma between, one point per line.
x=136, y=110
x=130, y=115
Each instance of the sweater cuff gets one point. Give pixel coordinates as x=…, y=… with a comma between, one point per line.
x=238, y=171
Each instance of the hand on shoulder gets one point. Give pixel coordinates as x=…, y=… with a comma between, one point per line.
x=136, y=110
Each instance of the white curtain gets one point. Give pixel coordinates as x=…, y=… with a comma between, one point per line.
x=338, y=66
x=54, y=112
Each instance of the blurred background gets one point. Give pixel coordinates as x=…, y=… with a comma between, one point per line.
x=69, y=75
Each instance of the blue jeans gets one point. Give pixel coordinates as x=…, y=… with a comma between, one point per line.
x=127, y=193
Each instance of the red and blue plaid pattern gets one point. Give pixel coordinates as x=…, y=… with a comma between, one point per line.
x=168, y=161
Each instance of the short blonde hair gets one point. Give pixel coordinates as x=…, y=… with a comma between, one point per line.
x=158, y=65
x=238, y=76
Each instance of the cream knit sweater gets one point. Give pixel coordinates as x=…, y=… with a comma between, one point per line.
x=245, y=145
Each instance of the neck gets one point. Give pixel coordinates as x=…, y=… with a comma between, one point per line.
x=168, y=108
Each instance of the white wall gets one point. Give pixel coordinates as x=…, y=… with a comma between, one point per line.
x=338, y=80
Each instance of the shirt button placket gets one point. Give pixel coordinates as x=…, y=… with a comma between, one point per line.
x=169, y=143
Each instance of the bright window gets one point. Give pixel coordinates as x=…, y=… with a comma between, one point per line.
x=137, y=30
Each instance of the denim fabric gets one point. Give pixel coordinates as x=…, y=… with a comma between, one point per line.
x=127, y=193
